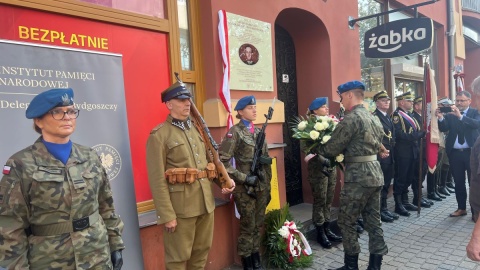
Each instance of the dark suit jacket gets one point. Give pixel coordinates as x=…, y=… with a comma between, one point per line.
x=469, y=123
x=406, y=136
x=388, y=129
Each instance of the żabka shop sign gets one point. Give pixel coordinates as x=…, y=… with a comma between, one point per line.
x=399, y=38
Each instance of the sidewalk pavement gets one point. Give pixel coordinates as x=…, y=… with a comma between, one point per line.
x=432, y=240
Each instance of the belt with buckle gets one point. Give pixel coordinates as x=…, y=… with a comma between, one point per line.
x=74, y=225
x=461, y=149
x=359, y=159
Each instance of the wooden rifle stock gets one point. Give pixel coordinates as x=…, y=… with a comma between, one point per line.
x=212, y=147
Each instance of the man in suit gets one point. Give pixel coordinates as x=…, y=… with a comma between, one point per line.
x=382, y=102
x=462, y=124
x=184, y=203
x=417, y=114
x=407, y=134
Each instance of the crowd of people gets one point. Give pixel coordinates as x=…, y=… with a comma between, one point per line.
x=74, y=224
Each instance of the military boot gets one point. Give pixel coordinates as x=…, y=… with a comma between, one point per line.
x=399, y=208
x=450, y=181
x=423, y=203
x=431, y=186
x=375, y=262
x=331, y=235
x=442, y=189
x=256, y=263
x=384, y=213
x=406, y=204
x=322, y=238
x=350, y=261
x=359, y=226
x=247, y=262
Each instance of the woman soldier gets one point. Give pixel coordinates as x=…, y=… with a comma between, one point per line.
x=252, y=193
x=322, y=178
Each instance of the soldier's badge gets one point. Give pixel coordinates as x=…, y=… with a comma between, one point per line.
x=229, y=135
x=396, y=119
x=6, y=170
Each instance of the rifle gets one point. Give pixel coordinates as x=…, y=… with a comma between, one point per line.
x=212, y=146
x=258, y=156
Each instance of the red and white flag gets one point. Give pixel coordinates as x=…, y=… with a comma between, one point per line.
x=225, y=88
x=430, y=124
x=6, y=169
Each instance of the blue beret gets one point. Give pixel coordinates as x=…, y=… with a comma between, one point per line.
x=243, y=102
x=176, y=90
x=317, y=103
x=350, y=86
x=45, y=101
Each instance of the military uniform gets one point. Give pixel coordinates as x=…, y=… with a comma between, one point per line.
x=239, y=143
x=416, y=164
x=178, y=144
x=359, y=137
x=39, y=194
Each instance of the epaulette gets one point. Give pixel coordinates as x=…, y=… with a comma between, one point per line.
x=157, y=128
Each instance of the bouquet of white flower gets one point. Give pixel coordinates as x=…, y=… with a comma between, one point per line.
x=315, y=130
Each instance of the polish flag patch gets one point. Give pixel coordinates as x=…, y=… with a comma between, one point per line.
x=229, y=135
x=6, y=169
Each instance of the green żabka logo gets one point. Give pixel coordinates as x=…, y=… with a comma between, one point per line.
x=399, y=38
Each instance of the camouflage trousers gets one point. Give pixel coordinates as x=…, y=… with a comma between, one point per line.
x=252, y=216
x=323, y=190
x=355, y=200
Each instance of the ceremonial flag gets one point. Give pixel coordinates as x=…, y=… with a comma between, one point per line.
x=225, y=88
x=430, y=124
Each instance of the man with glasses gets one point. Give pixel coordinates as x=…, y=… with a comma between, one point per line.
x=462, y=124
x=56, y=205
x=359, y=138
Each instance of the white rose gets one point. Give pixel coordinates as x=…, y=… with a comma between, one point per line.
x=325, y=125
x=335, y=123
x=339, y=158
x=325, y=138
x=295, y=242
x=302, y=125
x=314, y=134
x=284, y=232
x=319, y=126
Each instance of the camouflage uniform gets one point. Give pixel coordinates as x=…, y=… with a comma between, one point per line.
x=239, y=143
x=359, y=134
x=323, y=188
x=40, y=190
x=178, y=144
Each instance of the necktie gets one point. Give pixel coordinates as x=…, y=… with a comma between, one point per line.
x=252, y=128
x=461, y=134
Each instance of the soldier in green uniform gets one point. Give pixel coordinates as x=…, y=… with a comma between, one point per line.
x=181, y=191
x=358, y=137
x=322, y=178
x=239, y=143
x=56, y=205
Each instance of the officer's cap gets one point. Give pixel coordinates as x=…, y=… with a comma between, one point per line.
x=350, y=86
x=418, y=99
x=317, y=103
x=176, y=90
x=381, y=94
x=405, y=96
x=45, y=101
x=243, y=102
x=445, y=101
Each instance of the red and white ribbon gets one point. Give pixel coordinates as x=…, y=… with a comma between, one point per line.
x=289, y=231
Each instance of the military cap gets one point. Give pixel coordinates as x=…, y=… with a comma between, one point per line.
x=45, y=101
x=445, y=101
x=243, y=102
x=350, y=86
x=176, y=90
x=405, y=96
x=317, y=103
x=418, y=99
x=381, y=94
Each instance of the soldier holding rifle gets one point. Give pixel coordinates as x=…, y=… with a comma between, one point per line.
x=247, y=146
x=180, y=172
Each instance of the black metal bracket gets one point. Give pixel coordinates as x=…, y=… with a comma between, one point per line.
x=352, y=21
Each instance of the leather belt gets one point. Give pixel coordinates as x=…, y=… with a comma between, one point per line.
x=202, y=174
x=74, y=225
x=359, y=159
x=461, y=149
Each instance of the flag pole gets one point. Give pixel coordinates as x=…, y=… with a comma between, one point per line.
x=426, y=83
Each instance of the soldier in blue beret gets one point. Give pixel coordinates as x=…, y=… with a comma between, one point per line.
x=239, y=143
x=68, y=188
x=359, y=138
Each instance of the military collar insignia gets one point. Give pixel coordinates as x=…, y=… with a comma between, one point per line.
x=182, y=124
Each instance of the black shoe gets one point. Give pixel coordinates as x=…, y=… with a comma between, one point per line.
x=434, y=196
x=360, y=227
x=423, y=203
x=256, y=263
x=399, y=209
x=451, y=185
x=441, y=195
x=385, y=217
x=449, y=189
x=427, y=200
x=406, y=204
x=331, y=235
x=375, y=262
x=322, y=238
x=350, y=261
x=394, y=215
x=444, y=191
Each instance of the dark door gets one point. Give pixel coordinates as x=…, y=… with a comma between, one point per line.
x=287, y=92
